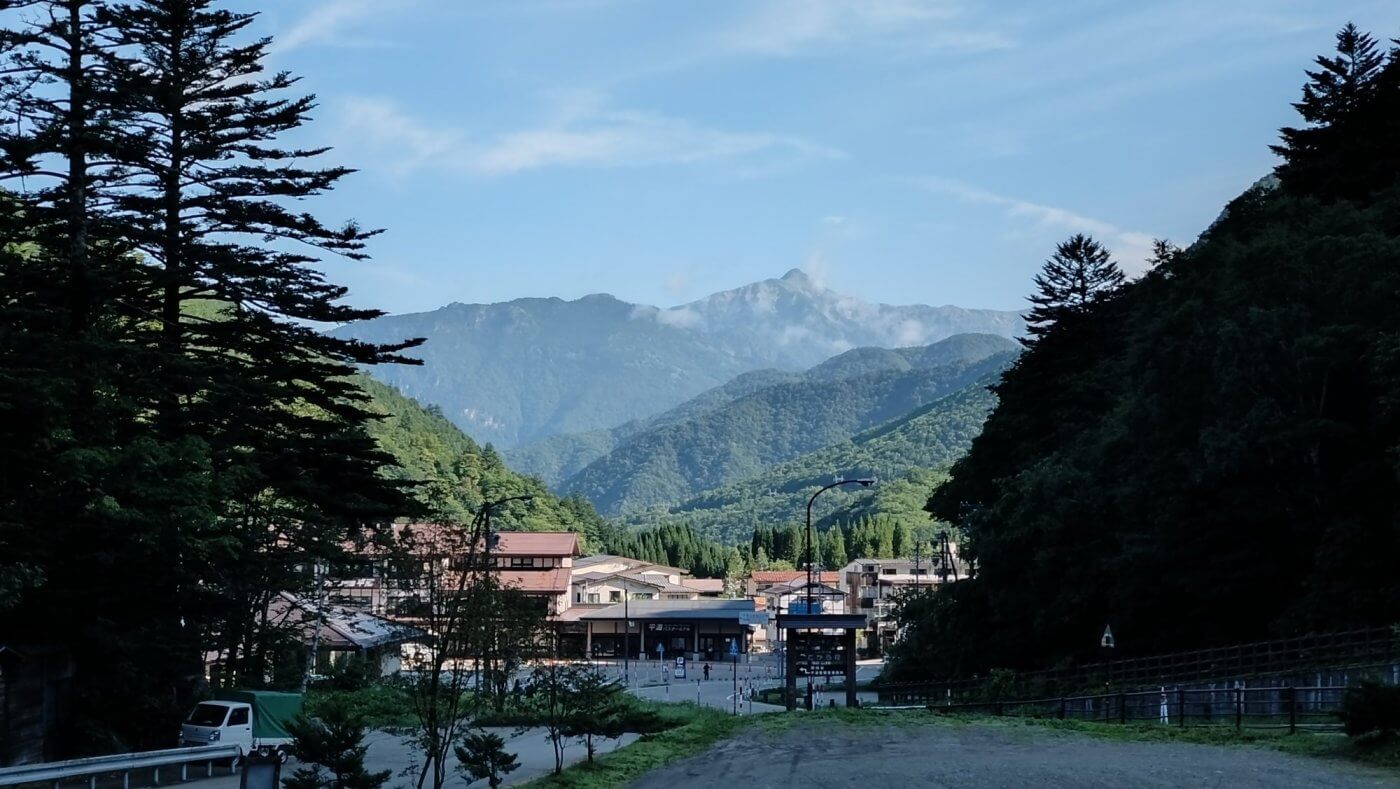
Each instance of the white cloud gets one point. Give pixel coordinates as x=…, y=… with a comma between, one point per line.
x=793, y=27
x=1131, y=248
x=331, y=23
x=583, y=135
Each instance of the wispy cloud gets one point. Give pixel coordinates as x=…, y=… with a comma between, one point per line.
x=336, y=23
x=582, y=135
x=1131, y=248
x=794, y=27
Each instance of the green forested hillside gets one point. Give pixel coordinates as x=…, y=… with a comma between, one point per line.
x=904, y=454
x=670, y=464
x=1210, y=454
x=558, y=457
x=450, y=471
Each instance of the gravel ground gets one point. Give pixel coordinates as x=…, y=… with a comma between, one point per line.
x=984, y=756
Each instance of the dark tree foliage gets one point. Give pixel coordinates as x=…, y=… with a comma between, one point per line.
x=1079, y=274
x=1329, y=158
x=331, y=750
x=1210, y=456
x=178, y=439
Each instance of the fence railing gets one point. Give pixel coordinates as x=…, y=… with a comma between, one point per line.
x=124, y=764
x=1373, y=647
x=1292, y=708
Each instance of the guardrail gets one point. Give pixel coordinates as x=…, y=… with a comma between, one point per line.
x=54, y=773
x=1291, y=708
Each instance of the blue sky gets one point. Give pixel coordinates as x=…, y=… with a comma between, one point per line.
x=908, y=151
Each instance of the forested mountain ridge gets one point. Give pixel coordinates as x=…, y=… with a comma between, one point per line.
x=670, y=464
x=1207, y=455
x=906, y=455
x=524, y=370
x=451, y=474
x=557, y=458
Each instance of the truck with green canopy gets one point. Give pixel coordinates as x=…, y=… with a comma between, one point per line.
x=251, y=719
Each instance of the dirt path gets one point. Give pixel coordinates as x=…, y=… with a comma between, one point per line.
x=983, y=756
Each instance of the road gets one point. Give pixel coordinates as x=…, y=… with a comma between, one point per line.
x=389, y=752
x=825, y=753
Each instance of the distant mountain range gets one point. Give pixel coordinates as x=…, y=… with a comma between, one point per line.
x=524, y=370
x=669, y=462
x=906, y=455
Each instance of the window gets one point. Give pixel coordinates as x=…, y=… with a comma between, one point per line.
x=869, y=568
x=889, y=571
x=208, y=715
x=593, y=597
x=522, y=561
x=920, y=571
x=238, y=717
x=614, y=596
x=643, y=596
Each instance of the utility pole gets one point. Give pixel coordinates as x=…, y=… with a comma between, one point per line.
x=489, y=541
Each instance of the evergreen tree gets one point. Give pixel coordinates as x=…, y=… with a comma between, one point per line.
x=332, y=751
x=1078, y=274
x=835, y=548
x=482, y=755
x=794, y=546
x=1354, y=87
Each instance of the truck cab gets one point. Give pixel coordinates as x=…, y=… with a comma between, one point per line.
x=252, y=720
x=219, y=723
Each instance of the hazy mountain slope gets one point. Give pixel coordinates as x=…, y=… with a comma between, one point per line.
x=451, y=469
x=906, y=455
x=558, y=457
x=667, y=465
x=524, y=370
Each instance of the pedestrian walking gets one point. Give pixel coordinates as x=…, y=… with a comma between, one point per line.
x=707, y=671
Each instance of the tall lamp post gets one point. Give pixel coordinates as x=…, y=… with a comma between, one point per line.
x=864, y=483
x=489, y=542
x=811, y=557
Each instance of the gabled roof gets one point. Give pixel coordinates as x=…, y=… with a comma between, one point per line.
x=704, y=585
x=536, y=543
x=703, y=608
x=511, y=543
x=776, y=576
x=341, y=626
x=554, y=581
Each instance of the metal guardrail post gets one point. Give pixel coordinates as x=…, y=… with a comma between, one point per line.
x=1062, y=708
x=1292, y=710
x=1122, y=708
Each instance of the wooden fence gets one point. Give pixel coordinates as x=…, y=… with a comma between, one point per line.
x=1292, y=708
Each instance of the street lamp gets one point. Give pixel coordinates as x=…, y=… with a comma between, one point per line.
x=864, y=483
x=489, y=541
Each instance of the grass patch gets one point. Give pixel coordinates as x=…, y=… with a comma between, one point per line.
x=695, y=729
x=380, y=705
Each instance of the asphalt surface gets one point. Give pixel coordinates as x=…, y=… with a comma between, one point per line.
x=983, y=757
x=390, y=752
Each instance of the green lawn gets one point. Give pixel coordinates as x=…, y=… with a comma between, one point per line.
x=698, y=729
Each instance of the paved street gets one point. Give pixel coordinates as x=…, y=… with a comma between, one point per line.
x=389, y=752
x=992, y=757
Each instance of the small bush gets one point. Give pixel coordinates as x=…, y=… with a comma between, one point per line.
x=1371, y=708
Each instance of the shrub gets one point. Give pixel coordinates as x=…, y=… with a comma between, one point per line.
x=1371, y=708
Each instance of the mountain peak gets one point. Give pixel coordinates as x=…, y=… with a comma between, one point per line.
x=797, y=276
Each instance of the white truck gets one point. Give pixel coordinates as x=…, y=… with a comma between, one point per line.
x=251, y=719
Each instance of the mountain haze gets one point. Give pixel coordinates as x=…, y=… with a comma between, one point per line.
x=671, y=463
x=523, y=370
x=906, y=455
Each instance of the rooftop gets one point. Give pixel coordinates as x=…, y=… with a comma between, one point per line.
x=554, y=581
x=704, y=608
